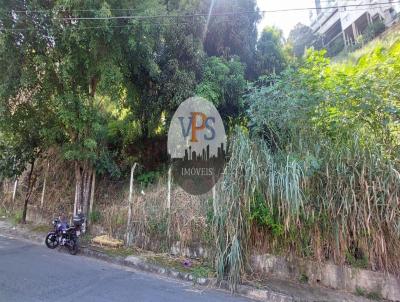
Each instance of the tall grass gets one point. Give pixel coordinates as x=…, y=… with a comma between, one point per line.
x=349, y=205
x=360, y=193
x=251, y=169
x=319, y=174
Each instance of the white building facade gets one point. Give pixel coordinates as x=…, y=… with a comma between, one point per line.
x=348, y=19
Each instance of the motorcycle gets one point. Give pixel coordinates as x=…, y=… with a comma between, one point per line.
x=65, y=235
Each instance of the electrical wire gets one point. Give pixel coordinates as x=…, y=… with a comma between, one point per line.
x=137, y=9
x=227, y=13
x=144, y=18
x=199, y=14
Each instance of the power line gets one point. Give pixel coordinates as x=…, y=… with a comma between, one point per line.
x=75, y=27
x=96, y=27
x=125, y=9
x=78, y=10
x=149, y=18
x=226, y=13
x=201, y=14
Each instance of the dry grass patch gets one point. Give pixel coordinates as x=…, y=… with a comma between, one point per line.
x=107, y=241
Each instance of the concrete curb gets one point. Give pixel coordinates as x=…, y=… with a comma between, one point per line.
x=142, y=265
x=137, y=263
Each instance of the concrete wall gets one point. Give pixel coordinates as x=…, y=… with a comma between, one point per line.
x=329, y=275
x=194, y=251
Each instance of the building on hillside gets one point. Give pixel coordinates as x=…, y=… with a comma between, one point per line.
x=343, y=21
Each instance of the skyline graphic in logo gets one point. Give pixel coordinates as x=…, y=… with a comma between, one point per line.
x=197, y=145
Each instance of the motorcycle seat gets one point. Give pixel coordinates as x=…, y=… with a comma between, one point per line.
x=69, y=229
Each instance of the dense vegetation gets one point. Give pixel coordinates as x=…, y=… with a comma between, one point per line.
x=314, y=145
x=318, y=173
x=97, y=88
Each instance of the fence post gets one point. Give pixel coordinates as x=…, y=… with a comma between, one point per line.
x=169, y=189
x=15, y=191
x=214, y=194
x=44, y=184
x=76, y=198
x=169, y=202
x=92, y=196
x=129, y=224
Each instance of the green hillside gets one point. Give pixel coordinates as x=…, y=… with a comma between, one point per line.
x=385, y=39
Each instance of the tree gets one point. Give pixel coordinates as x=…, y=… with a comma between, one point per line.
x=86, y=78
x=270, y=54
x=224, y=84
x=92, y=79
x=162, y=69
x=232, y=35
x=302, y=37
x=26, y=117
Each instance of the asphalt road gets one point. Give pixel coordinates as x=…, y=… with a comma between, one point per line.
x=33, y=273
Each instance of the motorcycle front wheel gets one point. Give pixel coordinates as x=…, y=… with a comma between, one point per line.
x=73, y=247
x=51, y=240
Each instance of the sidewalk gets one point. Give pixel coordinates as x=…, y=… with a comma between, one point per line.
x=271, y=290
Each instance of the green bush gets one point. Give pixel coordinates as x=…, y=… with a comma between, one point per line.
x=158, y=226
x=369, y=295
x=147, y=178
x=373, y=30
x=356, y=259
x=262, y=215
x=336, y=47
x=303, y=278
x=17, y=217
x=95, y=216
x=3, y=212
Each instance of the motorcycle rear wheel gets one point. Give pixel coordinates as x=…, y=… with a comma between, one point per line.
x=51, y=240
x=73, y=247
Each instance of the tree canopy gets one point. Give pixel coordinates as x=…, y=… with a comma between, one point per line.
x=302, y=37
x=81, y=79
x=271, y=57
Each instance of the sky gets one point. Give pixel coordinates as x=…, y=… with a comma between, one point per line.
x=284, y=20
